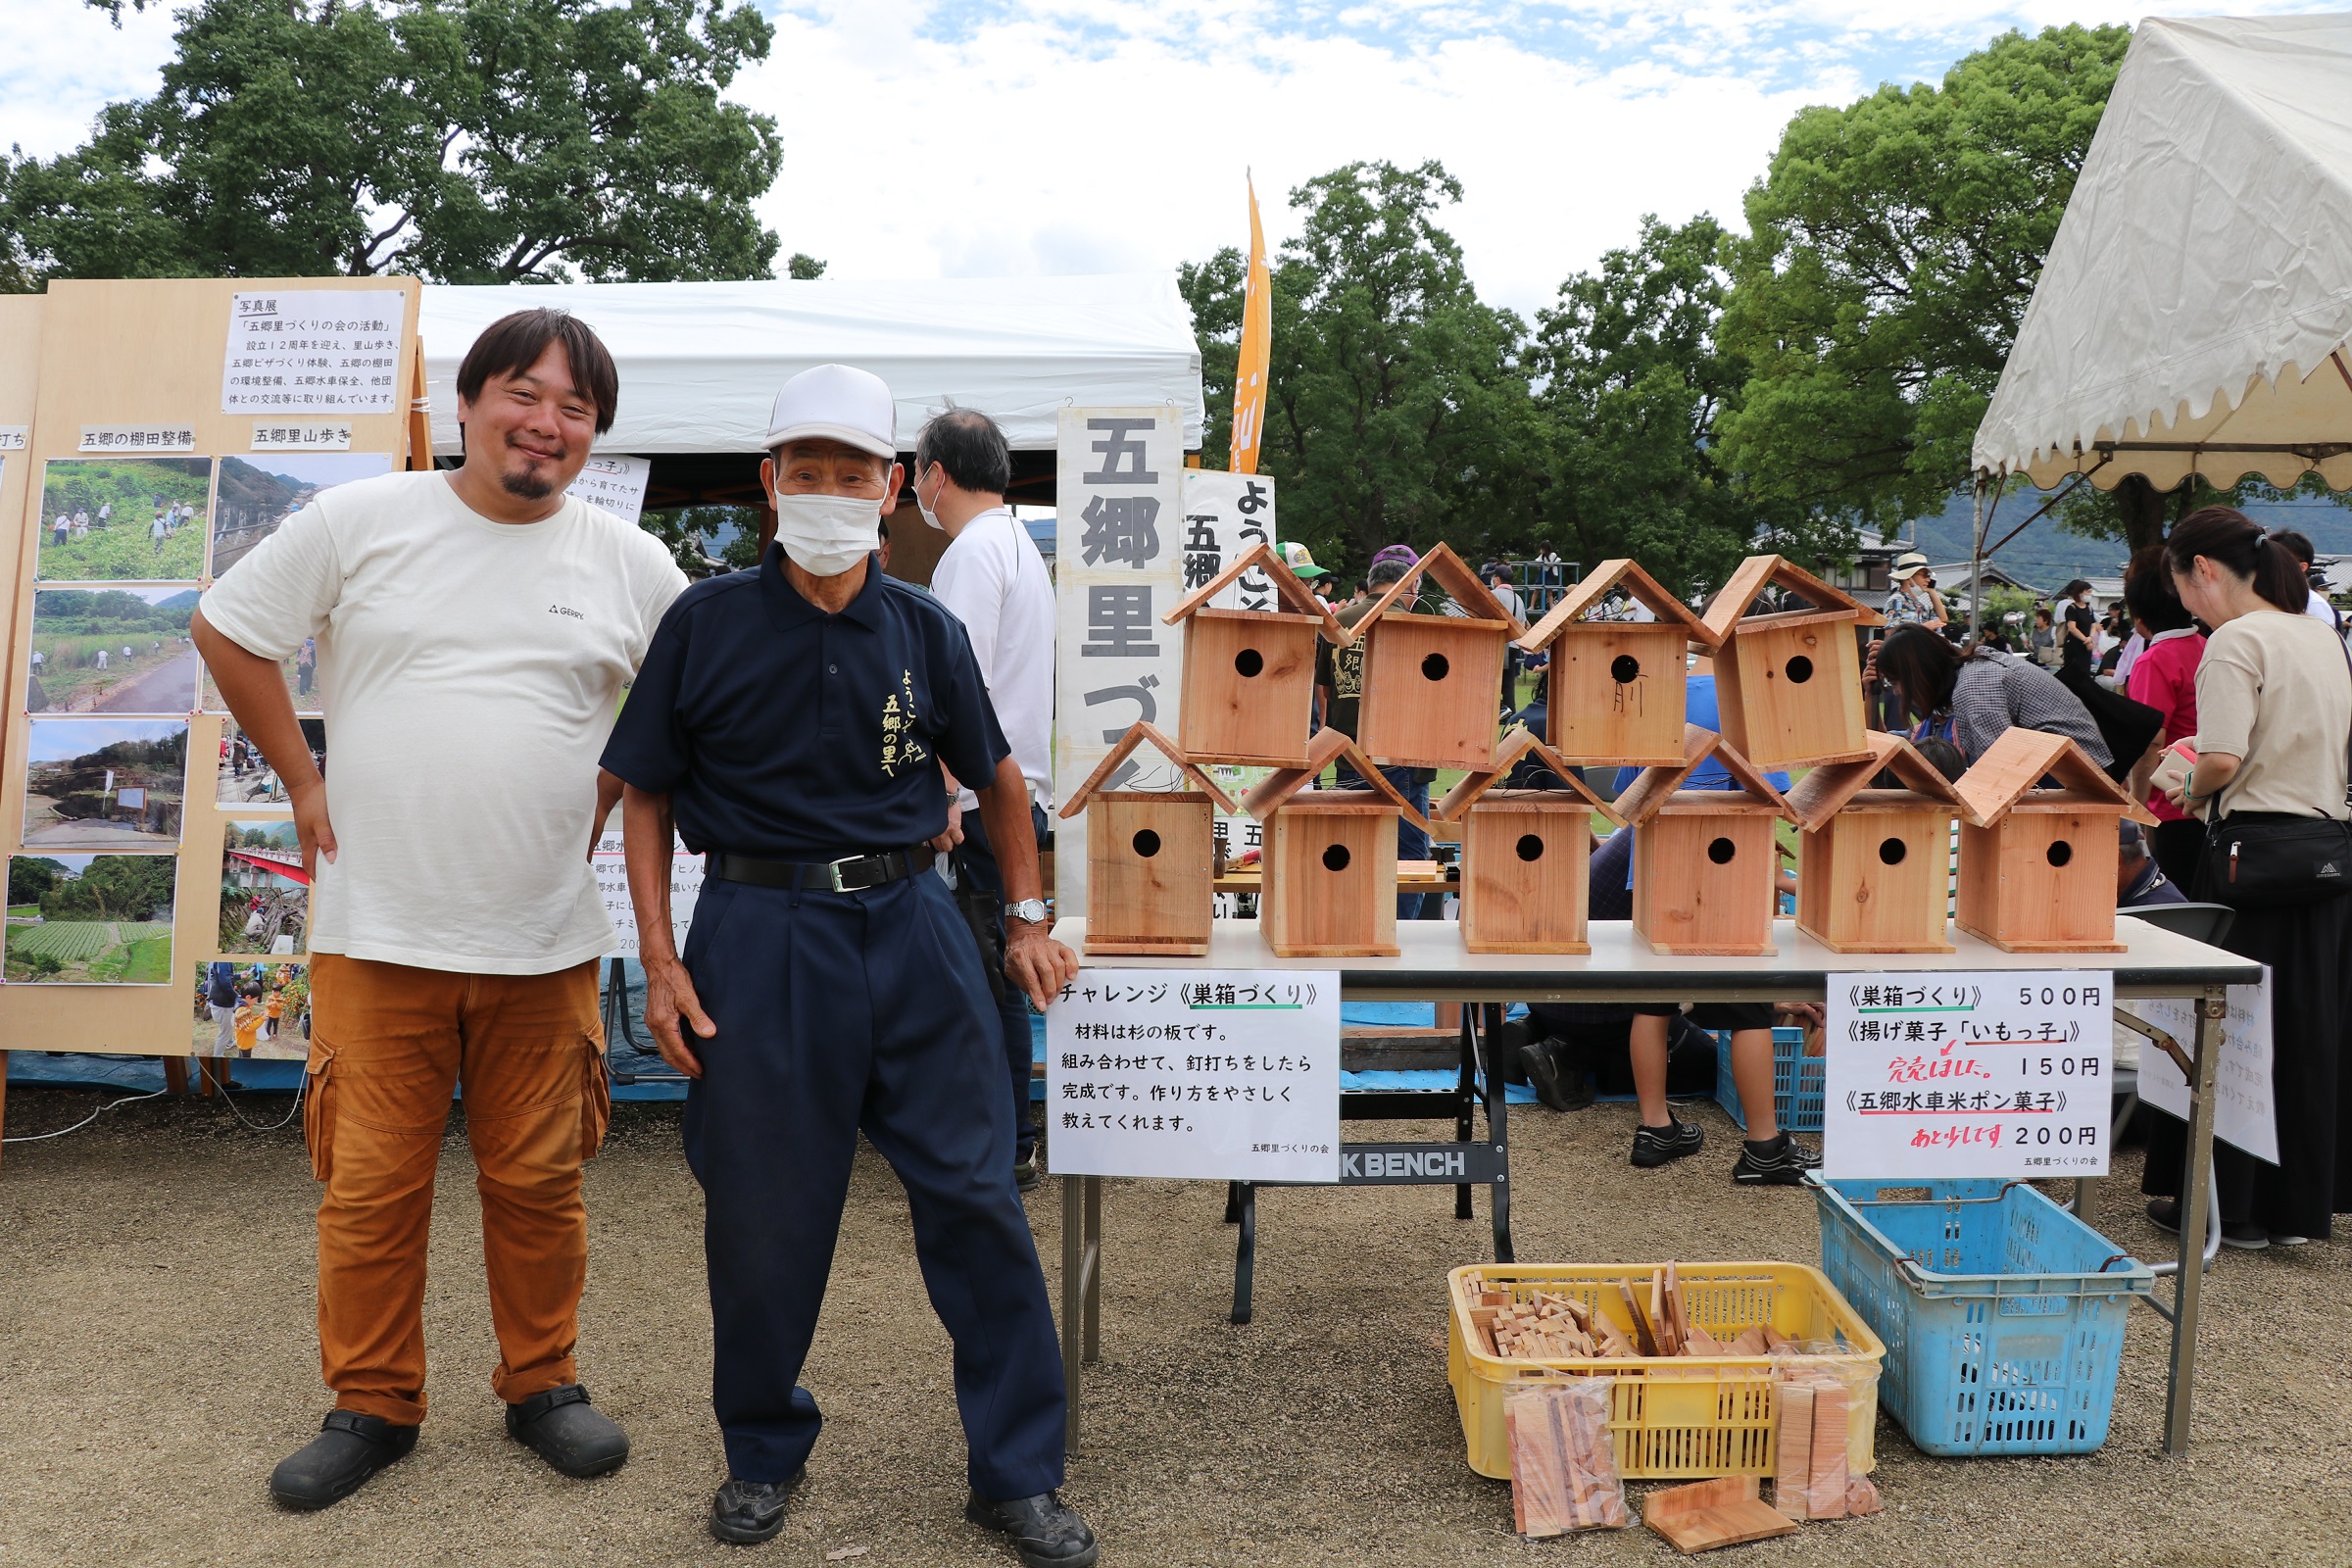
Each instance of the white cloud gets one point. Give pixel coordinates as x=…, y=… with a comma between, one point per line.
x=966, y=137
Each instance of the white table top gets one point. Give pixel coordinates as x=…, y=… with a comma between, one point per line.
x=1621, y=967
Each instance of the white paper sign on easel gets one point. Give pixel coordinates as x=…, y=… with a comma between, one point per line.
x=1207, y=1074
x=614, y=483
x=1947, y=1075
x=2244, y=1114
x=613, y=886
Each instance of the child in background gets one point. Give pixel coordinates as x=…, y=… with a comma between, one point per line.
x=248, y=1018
x=273, y=1007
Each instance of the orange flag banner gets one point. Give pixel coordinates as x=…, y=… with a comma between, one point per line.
x=1258, y=341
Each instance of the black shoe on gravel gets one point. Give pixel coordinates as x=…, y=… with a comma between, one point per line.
x=1046, y=1531
x=1025, y=1174
x=744, y=1513
x=1658, y=1146
x=1556, y=1084
x=347, y=1450
x=1780, y=1162
x=563, y=1428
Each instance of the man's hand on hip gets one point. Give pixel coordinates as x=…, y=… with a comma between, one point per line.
x=310, y=825
x=668, y=997
x=1037, y=963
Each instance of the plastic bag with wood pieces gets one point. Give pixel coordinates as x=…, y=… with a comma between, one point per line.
x=1563, y=1465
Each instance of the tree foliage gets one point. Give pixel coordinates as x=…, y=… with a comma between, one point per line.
x=466, y=141
x=1893, y=246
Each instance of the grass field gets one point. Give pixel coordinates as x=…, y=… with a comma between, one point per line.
x=90, y=952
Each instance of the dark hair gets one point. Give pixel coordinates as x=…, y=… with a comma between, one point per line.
x=968, y=445
x=2297, y=544
x=2238, y=544
x=2045, y=612
x=2148, y=591
x=882, y=527
x=1385, y=572
x=1947, y=759
x=1920, y=665
x=2078, y=586
x=512, y=344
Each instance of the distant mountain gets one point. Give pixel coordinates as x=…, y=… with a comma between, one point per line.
x=243, y=484
x=2046, y=556
x=185, y=599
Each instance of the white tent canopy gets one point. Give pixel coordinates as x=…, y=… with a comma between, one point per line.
x=699, y=363
x=2194, y=311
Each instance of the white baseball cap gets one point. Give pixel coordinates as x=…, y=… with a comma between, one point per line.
x=836, y=403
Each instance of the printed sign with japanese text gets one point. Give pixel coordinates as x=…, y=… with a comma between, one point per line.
x=2243, y=1110
x=1224, y=516
x=1945, y=1075
x=1118, y=568
x=313, y=351
x=305, y=435
x=1207, y=1074
x=13, y=437
x=614, y=483
x=613, y=886
x=138, y=438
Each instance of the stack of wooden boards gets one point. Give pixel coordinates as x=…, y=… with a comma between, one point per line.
x=1563, y=1465
x=1810, y=1476
x=1550, y=1326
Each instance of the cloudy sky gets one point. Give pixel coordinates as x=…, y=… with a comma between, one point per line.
x=1095, y=136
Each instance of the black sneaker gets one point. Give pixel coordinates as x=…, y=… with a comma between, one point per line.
x=1046, y=1531
x=347, y=1450
x=1025, y=1174
x=1657, y=1145
x=561, y=1427
x=744, y=1513
x=1556, y=1084
x=1781, y=1162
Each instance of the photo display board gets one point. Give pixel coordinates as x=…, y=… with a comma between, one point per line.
x=157, y=901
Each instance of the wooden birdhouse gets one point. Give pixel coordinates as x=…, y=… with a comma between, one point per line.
x=2037, y=865
x=1874, y=865
x=1150, y=856
x=1524, y=854
x=1433, y=684
x=1249, y=674
x=1704, y=861
x=1788, y=684
x=1616, y=687
x=1330, y=857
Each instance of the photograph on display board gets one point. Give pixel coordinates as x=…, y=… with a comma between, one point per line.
x=89, y=919
x=246, y=777
x=263, y=489
x=124, y=520
x=112, y=651
x=104, y=783
x=264, y=893
x=300, y=673
x=257, y=1011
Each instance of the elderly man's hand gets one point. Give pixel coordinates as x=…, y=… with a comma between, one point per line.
x=1037, y=963
x=954, y=830
x=669, y=997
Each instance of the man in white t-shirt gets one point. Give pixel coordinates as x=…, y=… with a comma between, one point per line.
x=475, y=630
x=995, y=581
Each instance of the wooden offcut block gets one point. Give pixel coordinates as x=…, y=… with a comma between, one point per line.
x=1617, y=688
x=1874, y=865
x=1150, y=856
x=1705, y=1514
x=1249, y=674
x=1704, y=860
x=1826, y=1460
x=1789, y=685
x=1793, y=1450
x=2037, y=865
x=1330, y=857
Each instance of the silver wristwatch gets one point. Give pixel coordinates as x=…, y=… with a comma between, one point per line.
x=1032, y=910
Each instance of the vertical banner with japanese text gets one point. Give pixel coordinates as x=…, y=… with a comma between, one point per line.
x=1224, y=516
x=1118, y=568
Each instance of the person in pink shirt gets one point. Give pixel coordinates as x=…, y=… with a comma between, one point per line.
x=2165, y=677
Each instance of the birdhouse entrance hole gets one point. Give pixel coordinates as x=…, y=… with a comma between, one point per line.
x=1625, y=669
x=2060, y=852
x=1334, y=857
x=1800, y=670
x=1248, y=662
x=1722, y=850
x=1891, y=851
x=1531, y=846
x=1434, y=668
x=1146, y=844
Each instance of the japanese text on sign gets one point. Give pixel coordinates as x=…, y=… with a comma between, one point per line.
x=311, y=435
x=1226, y=515
x=1951, y=1075
x=613, y=886
x=138, y=438
x=1216, y=1074
x=313, y=351
x=2244, y=1110
x=616, y=484
x=13, y=437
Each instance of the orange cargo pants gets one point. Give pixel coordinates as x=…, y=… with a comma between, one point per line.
x=388, y=1045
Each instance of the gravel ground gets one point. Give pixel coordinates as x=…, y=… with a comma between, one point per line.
x=156, y=1358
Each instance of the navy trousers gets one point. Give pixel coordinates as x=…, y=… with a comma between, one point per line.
x=836, y=1012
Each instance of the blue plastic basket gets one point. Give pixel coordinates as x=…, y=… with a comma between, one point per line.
x=2003, y=1314
x=1795, y=1082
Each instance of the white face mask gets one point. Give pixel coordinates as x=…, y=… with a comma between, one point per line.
x=930, y=517
x=826, y=535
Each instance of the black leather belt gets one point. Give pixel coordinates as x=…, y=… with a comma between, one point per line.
x=851, y=875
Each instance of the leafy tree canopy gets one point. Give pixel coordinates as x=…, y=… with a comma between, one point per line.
x=466, y=141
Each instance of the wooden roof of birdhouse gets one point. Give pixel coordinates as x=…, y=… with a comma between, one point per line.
x=1136, y=734
x=1288, y=587
x=1517, y=744
x=1277, y=788
x=1591, y=589
x=1649, y=793
x=1759, y=572
x=1456, y=578
x=1828, y=789
x=2010, y=773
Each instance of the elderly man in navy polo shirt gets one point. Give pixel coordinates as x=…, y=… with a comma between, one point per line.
x=791, y=722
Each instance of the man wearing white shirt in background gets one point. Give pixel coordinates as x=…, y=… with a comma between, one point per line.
x=995, y=581
x=2298, y=545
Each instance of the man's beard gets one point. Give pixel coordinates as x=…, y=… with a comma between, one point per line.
x=526, y=484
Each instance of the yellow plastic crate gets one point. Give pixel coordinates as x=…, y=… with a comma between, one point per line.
x=1672, y=1418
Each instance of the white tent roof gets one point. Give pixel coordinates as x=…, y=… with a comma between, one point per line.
x=699, y=363
x=2198, y=297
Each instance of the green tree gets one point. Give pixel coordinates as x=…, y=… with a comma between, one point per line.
x=1397, y=410
x=477, y=142
x=115, y=887
x=1893, y=246
x=32, y=875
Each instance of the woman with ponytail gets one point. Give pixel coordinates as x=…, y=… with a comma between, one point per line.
x=2274, y=726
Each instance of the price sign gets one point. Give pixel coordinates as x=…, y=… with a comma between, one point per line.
x=1948, y=1075
x=1215, y=1074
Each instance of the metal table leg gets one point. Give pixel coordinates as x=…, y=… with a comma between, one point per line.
x=1094, y=1269
x=1073, y=1292
x=1465, y=1103
x=2189, y=1282
x=1499, y=1134
x=1244, y=1249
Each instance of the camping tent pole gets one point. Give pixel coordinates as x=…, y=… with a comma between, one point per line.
x=1976, y=558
